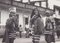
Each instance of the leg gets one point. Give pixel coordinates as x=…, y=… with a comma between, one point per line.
x=20, y=34
x=47, y=38
x=11, y=40
x=57, y=34
x=36, y=38
x=4, y=37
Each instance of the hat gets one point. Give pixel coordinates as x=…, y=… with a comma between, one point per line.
x=12, y=9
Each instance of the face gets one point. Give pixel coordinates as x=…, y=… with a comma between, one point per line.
x=36, y=12
x=13, y=15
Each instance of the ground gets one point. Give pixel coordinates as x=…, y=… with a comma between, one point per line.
x=29, y=40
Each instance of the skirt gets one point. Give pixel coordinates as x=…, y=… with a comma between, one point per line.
x=49, y=38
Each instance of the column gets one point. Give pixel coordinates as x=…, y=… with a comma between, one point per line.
x=46, y=3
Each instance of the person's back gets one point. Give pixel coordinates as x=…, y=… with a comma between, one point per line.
x=49, y=31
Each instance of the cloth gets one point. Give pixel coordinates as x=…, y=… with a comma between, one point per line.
x=10, y=31
x=49, y=28
x=49, y=32
x=36, y=38
x=20, y=29
x=38, y=25
x=49, y=38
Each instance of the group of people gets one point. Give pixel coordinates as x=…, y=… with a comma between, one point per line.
x=11, y=28
x=37, y=25
x=39, y=29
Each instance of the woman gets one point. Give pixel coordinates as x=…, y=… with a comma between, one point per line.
x=49, y=31
x=36, y=23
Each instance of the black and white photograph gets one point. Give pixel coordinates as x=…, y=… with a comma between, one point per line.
x=29, y=21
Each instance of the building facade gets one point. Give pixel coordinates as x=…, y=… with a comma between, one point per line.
x=23, y=10
x=52, y=3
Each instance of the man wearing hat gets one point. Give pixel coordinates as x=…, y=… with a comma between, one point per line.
x=10, y=32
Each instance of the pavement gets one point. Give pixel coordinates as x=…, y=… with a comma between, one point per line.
x=29, y=40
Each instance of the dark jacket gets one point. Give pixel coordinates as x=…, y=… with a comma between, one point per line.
x=49, y=31
x=38, y=25
x=10, y=31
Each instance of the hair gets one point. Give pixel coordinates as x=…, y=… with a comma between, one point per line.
x=33, y=13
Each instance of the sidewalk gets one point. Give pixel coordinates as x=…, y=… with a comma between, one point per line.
x=29, y=40
x=57, y=42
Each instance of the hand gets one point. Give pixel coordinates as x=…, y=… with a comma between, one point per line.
x=34, y=16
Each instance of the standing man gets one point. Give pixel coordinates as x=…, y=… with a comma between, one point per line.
x=20, y=30
x=10, y=32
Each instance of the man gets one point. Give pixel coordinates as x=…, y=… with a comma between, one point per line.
x=20, y=30
x=10, y=32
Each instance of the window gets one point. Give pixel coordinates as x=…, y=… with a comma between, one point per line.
x=5, y=1
x=37, y=4
x=26, y=20
x=38, y=0
x=43, y=4
x=24, y=1
x=18, y=0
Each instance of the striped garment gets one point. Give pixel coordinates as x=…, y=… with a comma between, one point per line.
x=12, y=35
x=36, y=38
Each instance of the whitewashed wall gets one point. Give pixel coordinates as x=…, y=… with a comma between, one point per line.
x=4, y=16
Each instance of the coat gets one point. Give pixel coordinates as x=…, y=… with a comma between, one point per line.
x=38, y=25
x=10, y=31
x=49, y=31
